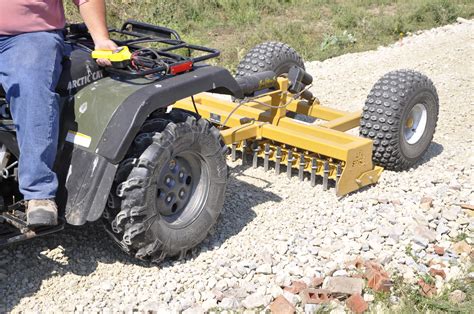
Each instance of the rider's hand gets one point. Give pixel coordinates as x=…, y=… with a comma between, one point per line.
x=105, y=44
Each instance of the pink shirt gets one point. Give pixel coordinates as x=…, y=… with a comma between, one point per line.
x=24, y=16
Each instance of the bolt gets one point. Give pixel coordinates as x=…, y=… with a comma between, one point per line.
x=181, y=193
x=181, y=174
x=169, y=198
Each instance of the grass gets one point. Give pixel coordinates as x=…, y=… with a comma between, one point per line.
x=411, y=300
x=318, y=29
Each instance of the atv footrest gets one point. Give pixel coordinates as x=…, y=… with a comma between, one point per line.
x=13, y=228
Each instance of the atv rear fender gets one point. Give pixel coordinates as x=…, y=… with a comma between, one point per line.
x=102, y=120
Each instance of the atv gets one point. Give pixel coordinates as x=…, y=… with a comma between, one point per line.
x=143, y=144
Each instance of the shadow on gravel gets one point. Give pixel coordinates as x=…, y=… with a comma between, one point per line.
x=27, y=266
x=433, y=151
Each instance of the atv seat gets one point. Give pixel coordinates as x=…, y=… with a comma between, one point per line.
x=79, y=70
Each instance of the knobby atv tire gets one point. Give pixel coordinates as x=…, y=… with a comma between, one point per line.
x=134, y=215
x=386, y=112
x=270, y=56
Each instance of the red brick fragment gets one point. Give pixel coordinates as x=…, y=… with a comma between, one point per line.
x=377, y=278
x=315, y=296
x=357, y=304
x=437, y=272
x=439, y=250
x=282, y=306
x=427, y=290
x=296, y=287
x=379, y=282
x=316, y=282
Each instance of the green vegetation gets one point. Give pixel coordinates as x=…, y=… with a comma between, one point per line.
x=318, y=29
x=410, y=300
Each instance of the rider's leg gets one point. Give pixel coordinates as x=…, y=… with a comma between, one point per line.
x=30, y=65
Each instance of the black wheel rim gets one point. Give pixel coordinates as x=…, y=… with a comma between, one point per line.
x=182, y=189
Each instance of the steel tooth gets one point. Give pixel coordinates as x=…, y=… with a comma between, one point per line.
x=255, y=149
x=301, y=169
x=267, y=157
x=244, y=149
x=326, y=175
x=278, y=160
x=234, y=152
x=314, y=167
x=289, y=167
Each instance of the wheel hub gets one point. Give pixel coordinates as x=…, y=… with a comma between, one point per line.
x=415, y=124
x=175, y=185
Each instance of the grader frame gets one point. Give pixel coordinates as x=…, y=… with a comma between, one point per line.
x=260, y=126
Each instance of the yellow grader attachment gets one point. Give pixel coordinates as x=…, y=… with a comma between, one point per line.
x=259, y=126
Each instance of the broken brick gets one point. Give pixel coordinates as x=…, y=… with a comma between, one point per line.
x=315, y=296
x=373, y=265
x=316, y=282
x=427, y=289
x=439, y=250
x=282, y=306
x=296, y=287
x=379, y=282
x=357, y=304
x=378, y=279
x=437, y=272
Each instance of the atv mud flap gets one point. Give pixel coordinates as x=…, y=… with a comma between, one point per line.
x=87, y=179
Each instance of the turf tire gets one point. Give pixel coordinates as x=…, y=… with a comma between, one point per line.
x=385, y=114
x=269, y=56
x=272, y=56
x=132, y=216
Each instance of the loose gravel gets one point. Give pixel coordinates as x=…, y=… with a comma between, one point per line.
x=274, y=230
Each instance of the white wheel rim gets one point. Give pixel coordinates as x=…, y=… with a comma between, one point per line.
x=415, y=124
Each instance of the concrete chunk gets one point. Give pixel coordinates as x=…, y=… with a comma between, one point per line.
x=344, y=285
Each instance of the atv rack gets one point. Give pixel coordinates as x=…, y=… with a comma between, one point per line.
x=159, y=60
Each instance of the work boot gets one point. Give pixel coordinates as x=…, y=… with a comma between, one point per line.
x=41, y=213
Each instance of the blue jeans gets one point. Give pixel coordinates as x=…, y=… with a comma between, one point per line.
x=30, y=66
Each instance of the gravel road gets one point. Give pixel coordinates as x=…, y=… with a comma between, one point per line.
x=273, y=230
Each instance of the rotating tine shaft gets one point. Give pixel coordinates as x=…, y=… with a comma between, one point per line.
x=278, y=160
x=267, y=156
x=244, y=149
x=234, y=152
x=255, y=149
x=314, y=167
x=325, y=175
x=301, y=168
x=289, y=166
